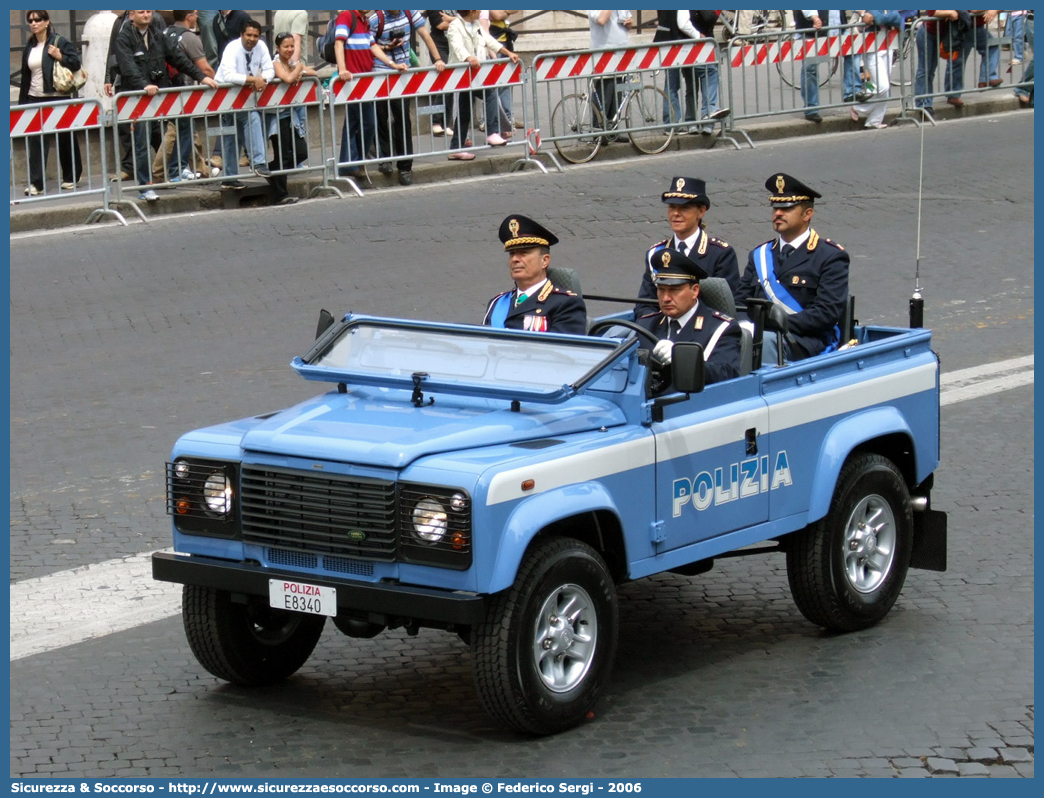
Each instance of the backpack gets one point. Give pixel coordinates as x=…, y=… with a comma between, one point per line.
x=173, y=36
x=324, y=45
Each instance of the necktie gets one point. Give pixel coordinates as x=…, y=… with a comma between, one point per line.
x=522, y=297
x=675, y=329
x=248, y=54
x=682, y=248
x=786, y=252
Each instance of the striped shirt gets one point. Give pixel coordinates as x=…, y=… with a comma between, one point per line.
x=396, y=26
x=357, y=55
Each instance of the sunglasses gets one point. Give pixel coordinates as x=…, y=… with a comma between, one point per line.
x=36, y=19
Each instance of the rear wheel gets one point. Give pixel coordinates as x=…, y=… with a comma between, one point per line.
x=576, y=126
x=847, y=569
x=248, y=644
x=545, y=650
x=644, y=110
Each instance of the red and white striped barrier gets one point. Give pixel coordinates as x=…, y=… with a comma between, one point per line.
x=178, y=102
x=607, y=62
x=391, y=85
x=800, y=48
x=31, y=119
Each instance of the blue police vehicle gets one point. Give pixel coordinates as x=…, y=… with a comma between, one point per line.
x=500, y=484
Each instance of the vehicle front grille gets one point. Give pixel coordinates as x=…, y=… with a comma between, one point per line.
x=321, y=514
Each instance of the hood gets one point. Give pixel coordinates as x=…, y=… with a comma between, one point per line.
x=380, y=427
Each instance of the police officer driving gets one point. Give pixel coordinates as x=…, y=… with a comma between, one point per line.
x=682, y=317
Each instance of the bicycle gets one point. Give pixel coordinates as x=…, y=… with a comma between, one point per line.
x=579, y=127
x=760, y=22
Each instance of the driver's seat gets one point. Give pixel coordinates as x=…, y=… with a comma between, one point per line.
x=716, y=293
x=563, y=277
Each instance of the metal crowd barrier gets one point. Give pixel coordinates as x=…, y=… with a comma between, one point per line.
x=948, y=64
x=213, y=123
x=376, y=97
x=585, y=97
x=791, y=72
x=64, y=124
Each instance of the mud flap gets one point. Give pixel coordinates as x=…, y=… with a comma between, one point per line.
x=929, y=543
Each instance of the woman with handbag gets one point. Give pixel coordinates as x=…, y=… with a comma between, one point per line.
x=42, y=51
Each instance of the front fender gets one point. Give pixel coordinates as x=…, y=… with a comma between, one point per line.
x=534, y=514
x=843, y=437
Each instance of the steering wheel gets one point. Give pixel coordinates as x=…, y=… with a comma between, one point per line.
x=605, y=324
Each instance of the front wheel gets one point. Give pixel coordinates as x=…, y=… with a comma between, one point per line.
x=544, y=652
x=847, y=569
x=576, y=127
x=645, y=109
x=249, y=644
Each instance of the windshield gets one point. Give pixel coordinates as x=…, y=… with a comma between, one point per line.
x=499, y=361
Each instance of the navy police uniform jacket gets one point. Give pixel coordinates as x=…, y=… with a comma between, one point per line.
x=816, y=275
x=723, y=358
x=551, y=309
x=714, y=256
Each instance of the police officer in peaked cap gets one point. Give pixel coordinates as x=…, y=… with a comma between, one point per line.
x=534, y=303
x=797, y=269
x=687, y=202
x=682, y=317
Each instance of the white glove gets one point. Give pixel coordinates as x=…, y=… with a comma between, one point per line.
x=662, y=351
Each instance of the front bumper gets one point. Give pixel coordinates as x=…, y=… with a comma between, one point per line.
x=417, y=603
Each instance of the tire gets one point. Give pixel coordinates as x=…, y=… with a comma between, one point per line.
x=841, y=577
x=575, y=119
x=903, y=66
x=250, y=644
x=538, y=670
x=644, y=109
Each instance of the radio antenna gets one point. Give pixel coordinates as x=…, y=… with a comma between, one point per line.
x=917, y=301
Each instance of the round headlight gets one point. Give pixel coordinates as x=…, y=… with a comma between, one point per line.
x=429, y=520
x=181, y=469
x=217, y=493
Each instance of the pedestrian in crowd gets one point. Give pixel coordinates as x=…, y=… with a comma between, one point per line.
x=439, y=22
x=296, y=24
x=534, y=303
x=114, y=84
x=143, y=58
x=245, y=62
x=208, y=37
x=287, y=128
x=356, y=50
x=704, y=77
x=181, y=157
x=44, y=48
x=811, y=23
x=673, y=26
x=392, y=31
x=876, y=70
x=1015, y=27
x=687, y=203
x=1024, y=94
x=939, y=33
x=804, y=274
x=498, y=25
x=682, y=317
x=608, y=29
x=228, y=27
x=978, y=36
x=470, y=44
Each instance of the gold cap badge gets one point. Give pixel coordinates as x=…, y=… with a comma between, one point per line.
x=513, y=227
x=666, y=259
x=780, y=183
x=680, y=184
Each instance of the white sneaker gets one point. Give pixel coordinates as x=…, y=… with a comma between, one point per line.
x=1016, y=61
x=188, y=174
x=68, y=186
x=215, y=171
x=449, y=131
x=31, y=191
x=149, y=196
x=438, y=130
x=495, y=140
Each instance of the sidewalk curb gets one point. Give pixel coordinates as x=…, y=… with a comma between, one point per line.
x=184, y=200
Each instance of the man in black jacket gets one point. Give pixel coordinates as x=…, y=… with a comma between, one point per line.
x=142, y=57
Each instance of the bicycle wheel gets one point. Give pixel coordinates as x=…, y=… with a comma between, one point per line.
x=790, y=71
x=573, y=128
x=645, y=108
x=903, y=65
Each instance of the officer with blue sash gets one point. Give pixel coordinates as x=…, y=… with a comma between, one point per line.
x=534, y=303
x=800, y=272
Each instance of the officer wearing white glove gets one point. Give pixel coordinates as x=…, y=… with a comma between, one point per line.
x=662, y=352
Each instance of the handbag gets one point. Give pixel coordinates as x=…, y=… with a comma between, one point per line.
x=66, y=81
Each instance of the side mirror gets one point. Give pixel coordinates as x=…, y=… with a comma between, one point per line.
x=687, y=367
x=326, y=320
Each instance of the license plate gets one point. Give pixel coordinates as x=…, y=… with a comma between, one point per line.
x=302, y=597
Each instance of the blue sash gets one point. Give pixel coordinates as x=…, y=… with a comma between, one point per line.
x=765, y=263
x=499, y=314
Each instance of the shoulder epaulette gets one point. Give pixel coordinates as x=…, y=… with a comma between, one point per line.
x=545, y=292
x=834, y=244
x=719, y=315
x=650, y=315
x=718, y=242
x=662, y=243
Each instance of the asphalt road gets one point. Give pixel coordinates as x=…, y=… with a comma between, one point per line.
x=122, y=339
